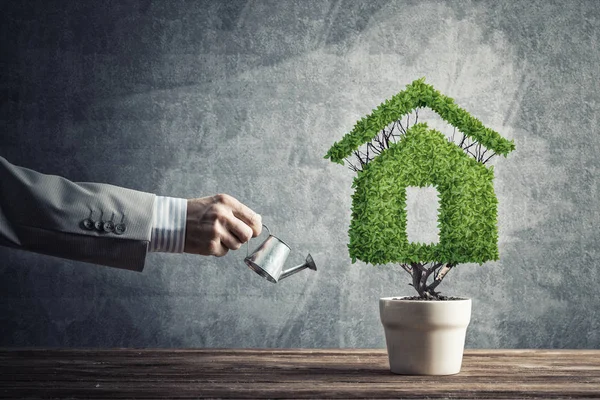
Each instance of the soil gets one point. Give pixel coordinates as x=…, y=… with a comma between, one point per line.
x=442, y=298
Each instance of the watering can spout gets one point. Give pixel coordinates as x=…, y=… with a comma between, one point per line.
x=310, y=264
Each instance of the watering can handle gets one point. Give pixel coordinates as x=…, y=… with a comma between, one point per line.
x=248, y=242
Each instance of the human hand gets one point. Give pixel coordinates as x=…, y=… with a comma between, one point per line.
x=217, y=224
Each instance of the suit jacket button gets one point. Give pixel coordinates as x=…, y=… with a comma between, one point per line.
x=98, y=225
x=108, y=226
x=88, y=224
x=120, y=229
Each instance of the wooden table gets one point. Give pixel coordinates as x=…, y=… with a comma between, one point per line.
x=339, y=373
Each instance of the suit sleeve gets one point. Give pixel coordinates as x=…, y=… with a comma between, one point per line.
x=90, y=222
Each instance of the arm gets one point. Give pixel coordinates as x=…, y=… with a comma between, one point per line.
x=114, y=226
x=51, y=215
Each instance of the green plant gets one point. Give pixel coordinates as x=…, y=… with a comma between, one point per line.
x=397, y=155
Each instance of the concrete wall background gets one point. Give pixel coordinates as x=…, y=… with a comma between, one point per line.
x=191, y=98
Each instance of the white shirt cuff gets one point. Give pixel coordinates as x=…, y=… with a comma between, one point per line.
x=168, y=226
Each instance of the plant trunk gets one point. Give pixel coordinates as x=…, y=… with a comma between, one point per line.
x=420, y=275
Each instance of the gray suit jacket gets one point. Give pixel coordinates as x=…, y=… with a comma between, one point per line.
x=91, y=222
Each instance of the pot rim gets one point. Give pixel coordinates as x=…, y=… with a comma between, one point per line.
x=404, y=299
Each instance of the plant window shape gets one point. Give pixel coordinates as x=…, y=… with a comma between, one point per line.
x=422, y=215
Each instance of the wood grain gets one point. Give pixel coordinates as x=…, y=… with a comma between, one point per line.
x=339, y=373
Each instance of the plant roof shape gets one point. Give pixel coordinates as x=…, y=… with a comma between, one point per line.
x=416, y=95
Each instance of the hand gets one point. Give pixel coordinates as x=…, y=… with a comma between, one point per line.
x=217, y=224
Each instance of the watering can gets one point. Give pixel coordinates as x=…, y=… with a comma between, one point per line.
x=268, y=259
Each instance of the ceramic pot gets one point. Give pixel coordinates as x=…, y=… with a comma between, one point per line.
x=425, y=337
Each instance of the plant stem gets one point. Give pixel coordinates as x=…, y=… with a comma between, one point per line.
x=420, y=274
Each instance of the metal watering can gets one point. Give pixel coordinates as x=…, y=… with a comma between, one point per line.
x=268, y=259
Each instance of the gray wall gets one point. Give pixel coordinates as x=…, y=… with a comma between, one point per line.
x=244, y=97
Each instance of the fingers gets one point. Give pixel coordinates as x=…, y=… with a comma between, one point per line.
x=221, y=241
x=239, y=229
x=224, y=240
x=230, y=241
x=216, y=248
x=242, y=212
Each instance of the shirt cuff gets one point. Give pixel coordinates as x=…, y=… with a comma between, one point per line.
x=168, y=226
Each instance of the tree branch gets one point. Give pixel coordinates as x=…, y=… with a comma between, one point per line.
x=482, y=155
x=471, y=145
x=401, y=127
x=407, y=268
x=489, y=158
x=351, y=166
x=439, y=277
x=464, y=137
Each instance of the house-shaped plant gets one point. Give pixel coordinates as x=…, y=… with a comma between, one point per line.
x=415, y=156
x=422, y=336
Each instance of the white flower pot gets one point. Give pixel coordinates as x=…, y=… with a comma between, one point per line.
x=425, y=337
